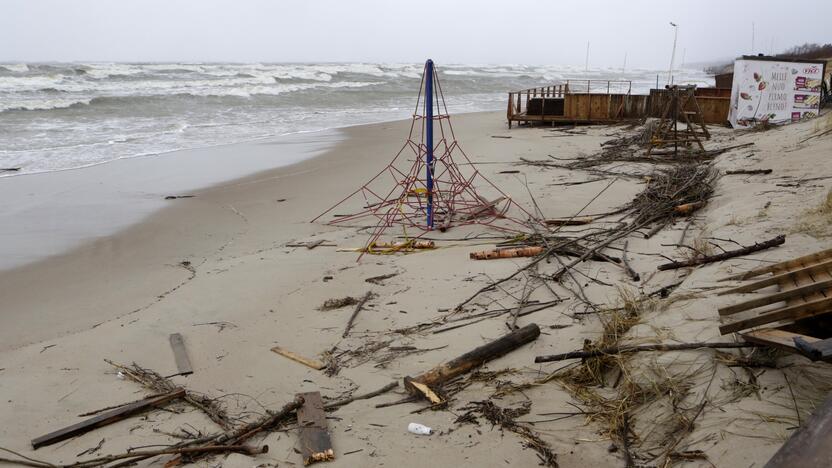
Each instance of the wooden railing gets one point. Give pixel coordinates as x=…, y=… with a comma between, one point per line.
x=518, y=105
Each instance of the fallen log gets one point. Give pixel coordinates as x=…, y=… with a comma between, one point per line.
x=106, y=418
x=779, y=240
x=612, y=350
x=315, y=443
x=507, y=253
x=474, y=358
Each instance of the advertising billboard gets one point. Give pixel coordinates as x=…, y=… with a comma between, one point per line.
x=775, y=92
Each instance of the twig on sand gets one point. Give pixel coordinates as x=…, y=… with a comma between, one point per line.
x=613, y=350
x=366, y=396
x=358, y=307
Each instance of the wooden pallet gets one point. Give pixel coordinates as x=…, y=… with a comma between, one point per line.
x=805, y=290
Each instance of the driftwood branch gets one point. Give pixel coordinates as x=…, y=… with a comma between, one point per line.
x=634, y=349
x=358, y=307
x=474, y=358
x=632, y=273
x=366, y=396
x=701, y=260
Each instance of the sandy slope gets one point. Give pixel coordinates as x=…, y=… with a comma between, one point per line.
x=119, y=298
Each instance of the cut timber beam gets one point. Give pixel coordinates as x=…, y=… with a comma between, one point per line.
x=315, y=444
x=793, y=313
x=779, y=279
x=104, y=419
x=810, y=445
x=777, y=297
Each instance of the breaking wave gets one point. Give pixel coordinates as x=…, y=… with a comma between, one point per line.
x=64, y=115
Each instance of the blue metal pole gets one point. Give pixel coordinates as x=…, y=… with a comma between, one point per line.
x=429, y=137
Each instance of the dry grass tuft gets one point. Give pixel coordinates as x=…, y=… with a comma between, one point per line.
x=816, y=221
x=615, y=390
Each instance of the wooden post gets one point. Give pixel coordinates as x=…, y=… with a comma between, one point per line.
x=474, y=358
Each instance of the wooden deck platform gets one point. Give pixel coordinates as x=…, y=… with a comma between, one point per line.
x=602, y=102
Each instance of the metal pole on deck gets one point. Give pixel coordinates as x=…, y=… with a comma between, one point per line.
x=429, y=138
x=673, y=54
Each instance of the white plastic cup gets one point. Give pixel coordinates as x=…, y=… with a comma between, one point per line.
x=418, y=429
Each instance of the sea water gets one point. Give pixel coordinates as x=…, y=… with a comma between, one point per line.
x=56, y=116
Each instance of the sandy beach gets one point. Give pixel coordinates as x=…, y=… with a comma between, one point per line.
x=219, y=269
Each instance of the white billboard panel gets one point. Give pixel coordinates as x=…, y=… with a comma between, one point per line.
x=774, y=92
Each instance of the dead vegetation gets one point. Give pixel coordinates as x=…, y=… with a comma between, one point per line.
x=816, y=221
x=332, y=304
x=505, y=419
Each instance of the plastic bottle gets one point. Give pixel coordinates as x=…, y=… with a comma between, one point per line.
x=419, y=429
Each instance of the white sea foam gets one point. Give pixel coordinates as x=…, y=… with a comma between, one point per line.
x=58, y=116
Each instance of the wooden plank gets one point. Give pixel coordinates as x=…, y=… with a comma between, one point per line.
x=804, y=277
x=797, y=292
x=816, y=257
x=315, y=444
x=796, y=312
x=777, y=279
x=106, y=418
x=313, y=363
x=180, y=355
x=777, y=338
x=811, y=445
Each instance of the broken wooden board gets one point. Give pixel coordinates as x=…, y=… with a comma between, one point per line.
x=805, y=290
x=313, y=363
x=776, y=338
x=106, y=418
x=180, y=354
x=315, y=443
x=810, y=259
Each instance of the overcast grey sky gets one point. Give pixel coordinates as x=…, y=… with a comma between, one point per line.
x=484, y=31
